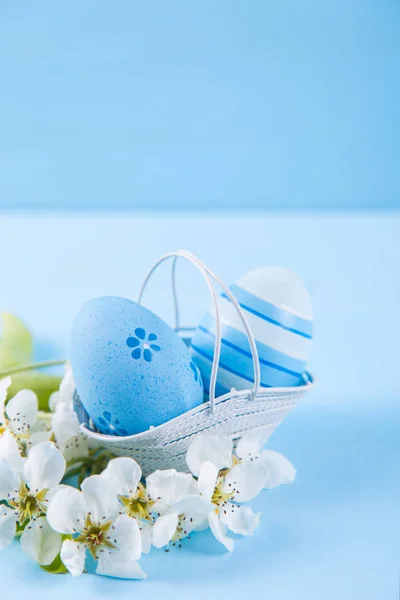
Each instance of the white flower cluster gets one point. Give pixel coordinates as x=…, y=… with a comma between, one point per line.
x=116, y=515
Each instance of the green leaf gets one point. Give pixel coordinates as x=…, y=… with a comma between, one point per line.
x=16, y=344
x=57, y=566
x=16, y=350
x=43, y=385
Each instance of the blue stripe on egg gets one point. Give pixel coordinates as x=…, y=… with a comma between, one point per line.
x=271, y=313
x=278, y=310
x=275, y=337
x=220, y=390
x=227, y=378
x=268, y=356
x=234, y=360
x=239, y=361
x=224, y=366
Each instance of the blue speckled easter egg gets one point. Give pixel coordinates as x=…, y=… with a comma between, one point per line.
x=132, y=371
x=278, y=309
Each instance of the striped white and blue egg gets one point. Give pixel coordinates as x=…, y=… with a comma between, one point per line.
x=278, y=309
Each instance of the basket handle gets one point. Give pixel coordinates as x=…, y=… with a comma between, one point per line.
x=209, y=276
x=256, y=362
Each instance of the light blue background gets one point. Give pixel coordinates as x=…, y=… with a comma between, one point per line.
x=335, y=532
x=223, y=105
x=211, y=104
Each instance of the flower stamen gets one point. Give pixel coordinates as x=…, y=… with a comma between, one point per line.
x=28, y=505
x=220, y=497
x=138, y=505
x=94, y=536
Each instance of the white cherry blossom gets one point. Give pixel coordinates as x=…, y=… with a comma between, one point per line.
x=41, y=543
x=61, y=427
x=179, y=507
x=250, y=447
x=63, y=398
x=19, y=415
x=226, y=482
x=116, y=516
x=24, y=486
x=124, y=475
x=91, y=517
x=65, y=426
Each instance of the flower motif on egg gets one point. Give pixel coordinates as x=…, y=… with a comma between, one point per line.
x=143, y=342
x=112, y=427
x=121, y=353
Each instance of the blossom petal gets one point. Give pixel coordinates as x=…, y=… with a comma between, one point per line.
x=100, y=497
x=253, y=442
x=9, y=450
x=40, y=542
x=62, y=399
x=169, y=485
x=194, y=487
x=65, y=425
x=23, y=408
x=200, y=522
x=54, y=401
x=193, y=505
x=45, y=466
x=207, y=479
x=196, y=509
x=146, y=535
x=214, y=448
x=116, y=564
x=4, y=385
x=281, y=470
x=240, y=519
x=164, y=529
x=37, y=437
x=67, y=389
x=43, y=422
x=73, y=556
x=219, y=530
x=123, y=475
x=76, y=447
x=10, y=480
x=246, y=479
x=126, y=534
x=8, y=523
x=66, y=511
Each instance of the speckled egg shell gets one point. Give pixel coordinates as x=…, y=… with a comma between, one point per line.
x=278, y=309
x=132, y=371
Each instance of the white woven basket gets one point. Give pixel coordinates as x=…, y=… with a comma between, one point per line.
x=233, y=414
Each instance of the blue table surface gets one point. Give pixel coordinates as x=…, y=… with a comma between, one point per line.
x=335, y=532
